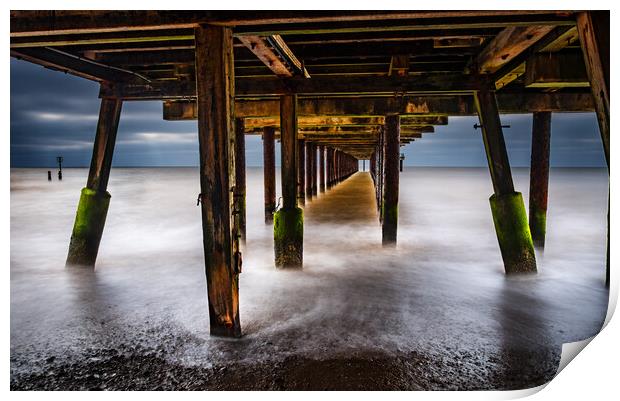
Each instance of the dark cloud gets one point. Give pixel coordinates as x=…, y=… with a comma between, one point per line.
x=56, y=114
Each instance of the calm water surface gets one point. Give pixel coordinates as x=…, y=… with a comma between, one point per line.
x=441, y=291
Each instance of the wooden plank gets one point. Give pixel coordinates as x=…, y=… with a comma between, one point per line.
x=215, y=88
x=556, y=70
x=593, y=29
x=494, y=144
x=507, y=45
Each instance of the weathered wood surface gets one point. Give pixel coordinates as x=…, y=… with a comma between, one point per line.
x=392, y=175
x=322, y=168
x=289, y=150
x=240, y=182
x=269, y=172
x=215, y=88
x=103, y=149
x=494, y=144
x=593, y=27
x=539, y=176
x=301, y=171
x=262, y=50
x=555, y=70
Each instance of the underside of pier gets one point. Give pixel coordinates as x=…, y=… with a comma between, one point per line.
x=334, y=87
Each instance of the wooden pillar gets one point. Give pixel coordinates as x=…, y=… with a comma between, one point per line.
x=539, y=176
x=594, y=35
x=94, y=199
x=593, y=27
x=314, y=170
x=329, y=166
x=507, y=207
x=288, y=222
x=301, y=171
x=215, y=92
x=269, y=173
x=309, y=168
x=322, y=168
x=240, y=186
x=390, y=196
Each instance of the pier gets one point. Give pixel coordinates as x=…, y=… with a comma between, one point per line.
x=335, y=88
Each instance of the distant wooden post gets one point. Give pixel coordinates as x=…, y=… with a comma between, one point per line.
x=322, y=168
x=216, y=137
x=390, y=196
x=95, y=199
x=309, y=168
x=330, y=167
x=301, y=172
x=314, y=170
x=288, y=225
x=240, y=186
x=509, y=216
x=539, y=176
x=269, y=173
x=594, y=35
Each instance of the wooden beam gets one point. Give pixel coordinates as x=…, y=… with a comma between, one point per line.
x=79, y=66
x=556, y=70
x=507, y=45
x=594, y=33
x=539, y=176
x=215, y=88
x=23, y=23
x=391, y=150
x=266, y=54
x=269, y=173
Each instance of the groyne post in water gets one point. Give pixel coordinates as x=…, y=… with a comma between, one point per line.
x=94, y=200
x=390, y=196
x=330, y=167
x=593, y=28
x=322, y=168
x=539, y=176
x=269, y=173
x=216, y=137
x=301, y=169
x=240, y=190
x=288, y=224
x=507, y=207
x=49, y=175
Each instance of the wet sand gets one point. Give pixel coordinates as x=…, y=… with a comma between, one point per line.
x=434, y=313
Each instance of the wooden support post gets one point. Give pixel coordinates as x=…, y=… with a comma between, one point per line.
x=593, y=27
x=314, y=170
x=216, y=137
x=309, y=168
x=94, y=199
x=509, y=216
x=390, y=196
x=301, y=172
x=594, y=35
x=322, y=168
x=288, y=225
x=269, y=173
x=240, y=187
x=330, y=167
x=539, y=176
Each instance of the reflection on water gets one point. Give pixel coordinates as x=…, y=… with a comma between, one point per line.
x=441, y=291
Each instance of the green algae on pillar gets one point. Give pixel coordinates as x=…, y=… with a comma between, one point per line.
x=288, y=232
x=88, y=227
x=94, y=199
x=513, y=233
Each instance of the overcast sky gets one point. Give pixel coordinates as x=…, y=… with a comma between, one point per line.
x=55, y=114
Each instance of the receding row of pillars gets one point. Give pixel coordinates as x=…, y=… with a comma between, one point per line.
x=222, y=178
